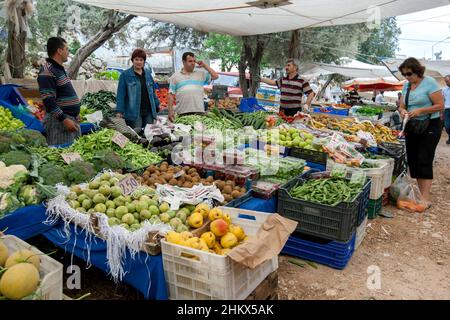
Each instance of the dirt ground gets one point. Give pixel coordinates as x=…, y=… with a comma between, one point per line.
x=411, y=251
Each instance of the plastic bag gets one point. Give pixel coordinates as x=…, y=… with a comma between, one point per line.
x=407, y=195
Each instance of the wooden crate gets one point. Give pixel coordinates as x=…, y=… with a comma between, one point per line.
x=267, y=290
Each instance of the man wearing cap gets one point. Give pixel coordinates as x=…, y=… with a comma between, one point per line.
x=292, y=88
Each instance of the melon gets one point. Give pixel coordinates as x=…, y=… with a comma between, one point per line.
x=23, y=255
x=3, y=253
x=19, y=281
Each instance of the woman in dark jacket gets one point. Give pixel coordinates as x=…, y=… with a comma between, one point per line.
x=136, y=98
x=422, y=101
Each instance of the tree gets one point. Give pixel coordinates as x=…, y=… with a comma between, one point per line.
x=251, y=56
x=381, y=42
x=115, y=22
x=224, y=47
x=17, y=15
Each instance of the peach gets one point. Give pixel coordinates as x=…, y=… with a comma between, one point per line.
x=227, y=218
x=209, y=238
x=215, y=214
x=229, y=241
x=237, y=231
x=195, y=220
x=219, y=227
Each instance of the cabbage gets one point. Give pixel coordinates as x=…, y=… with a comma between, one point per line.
x=8, y=203
x=29, y=195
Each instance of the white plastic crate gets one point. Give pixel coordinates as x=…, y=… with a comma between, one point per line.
x=376, y=174
x=361, y=233
x=198, y=275
x=389, y=170
x=51, y=271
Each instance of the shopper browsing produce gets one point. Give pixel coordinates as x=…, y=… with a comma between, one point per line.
x=187, y=86
x=60, y=99
x=421, y=104
x=292, y=87
x=136, y=98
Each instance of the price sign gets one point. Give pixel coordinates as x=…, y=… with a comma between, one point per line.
x=70, y=157
x=178, y=174
x=128, y=184
x=120, y=139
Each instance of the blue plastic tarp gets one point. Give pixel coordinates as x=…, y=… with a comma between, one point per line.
x=145, y=273
x=26, y=222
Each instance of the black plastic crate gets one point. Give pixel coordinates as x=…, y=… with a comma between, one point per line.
x=363, y=202
x=239, y=201
x=397, y=151
x=334, y=223
x=309, y=155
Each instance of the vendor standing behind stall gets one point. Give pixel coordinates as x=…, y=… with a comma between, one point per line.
x=292, y=88
x=136, y=98
x=62, y=105
x=187, y=87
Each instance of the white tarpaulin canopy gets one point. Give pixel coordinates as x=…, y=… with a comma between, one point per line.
x=240, y=17
x=348, y=68
x=437, y=69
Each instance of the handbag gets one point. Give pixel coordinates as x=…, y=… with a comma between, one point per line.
x=415, y=126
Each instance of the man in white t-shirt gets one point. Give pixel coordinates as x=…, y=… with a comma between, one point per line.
x=380, y=98
x=446, y=94
x=187, y=87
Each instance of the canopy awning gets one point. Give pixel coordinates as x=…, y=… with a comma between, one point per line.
x=348, y=68
x=241, y=17
x=437, y=69
x=372, y=84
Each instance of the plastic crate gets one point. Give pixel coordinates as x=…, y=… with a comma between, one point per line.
x=250, y=105
x=388, y=169
x=397, y=151
x=364, y=202
x=334, y=223
x=198, y=275
x=28, y=119
x=361, y=233
x=309, y=155
x=374, y=207
x=331, y=110
x=375, y=174
x=51, y=271
x=330, y=253
x=236, y=203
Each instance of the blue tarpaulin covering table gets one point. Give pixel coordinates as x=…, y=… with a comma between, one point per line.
x=144, y=272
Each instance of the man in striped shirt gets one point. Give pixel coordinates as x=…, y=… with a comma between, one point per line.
x=61, y=102
x=292, y=88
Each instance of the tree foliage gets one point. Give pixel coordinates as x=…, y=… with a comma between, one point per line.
x=224, y=47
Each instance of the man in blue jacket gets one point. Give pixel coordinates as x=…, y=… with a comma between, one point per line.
x=136, y=99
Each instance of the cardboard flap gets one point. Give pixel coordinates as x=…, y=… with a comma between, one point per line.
x=268, y=242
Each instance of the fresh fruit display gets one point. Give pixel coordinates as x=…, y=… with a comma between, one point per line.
x=19, y=273
x=8, y=122
x=291, y=138
x=100, y=101
x=351, y=126
x=328, y=191
x=37, y=109
x=219, y=238
x=187, y=177
x=227, y=103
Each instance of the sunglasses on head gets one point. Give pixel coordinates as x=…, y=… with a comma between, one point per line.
x=407, y=74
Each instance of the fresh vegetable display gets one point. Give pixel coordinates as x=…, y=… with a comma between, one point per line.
x=227, y=103
x=215, y=119
x=291, y=138
x=84, y=111
x=258, y=119
x=8, y=122
x=37, y=109
x=100, y=101
x=12, y=140
x=163, y=96
x=328, y=191
x=369, y=111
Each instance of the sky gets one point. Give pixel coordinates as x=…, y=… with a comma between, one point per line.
x=425, y=28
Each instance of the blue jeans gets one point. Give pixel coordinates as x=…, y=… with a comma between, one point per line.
x=447, y=121
x=140, y=122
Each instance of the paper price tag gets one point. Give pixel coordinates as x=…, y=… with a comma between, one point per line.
x=120, y=139
x=178, y=174
x=70, y=157
x=128, y=185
